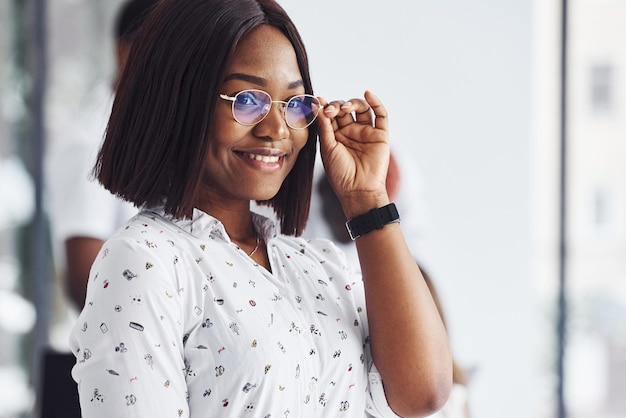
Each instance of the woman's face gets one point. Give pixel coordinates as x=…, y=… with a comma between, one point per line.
x=251, y=162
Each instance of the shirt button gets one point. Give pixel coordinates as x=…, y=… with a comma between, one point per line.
x=283, y=292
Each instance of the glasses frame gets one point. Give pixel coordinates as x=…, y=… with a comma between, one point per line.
x=283, y=104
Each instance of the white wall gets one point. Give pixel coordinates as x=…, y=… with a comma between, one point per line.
x=455, y=77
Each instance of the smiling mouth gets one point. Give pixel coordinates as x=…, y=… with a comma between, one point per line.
x=263, y=158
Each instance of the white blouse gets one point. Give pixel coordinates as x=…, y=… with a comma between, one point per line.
x=180, y=322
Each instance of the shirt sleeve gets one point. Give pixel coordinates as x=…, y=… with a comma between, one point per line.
x=129, y=338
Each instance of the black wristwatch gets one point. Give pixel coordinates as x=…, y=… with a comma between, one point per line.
x=374, y=219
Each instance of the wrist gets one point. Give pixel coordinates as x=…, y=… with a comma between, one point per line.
x=361, y=203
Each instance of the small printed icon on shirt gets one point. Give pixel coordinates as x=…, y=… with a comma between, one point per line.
x=97, y=396
x=86, y=355
x=121, y=348
x=129, y=275
x=135, y=325
x=248, y=387
x=149, y=360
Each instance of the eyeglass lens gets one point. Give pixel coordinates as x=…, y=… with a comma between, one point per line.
x=251, y=106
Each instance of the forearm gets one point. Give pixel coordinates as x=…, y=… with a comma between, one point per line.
x=408, y=340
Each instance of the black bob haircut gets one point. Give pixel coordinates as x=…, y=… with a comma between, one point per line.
x=158, y=134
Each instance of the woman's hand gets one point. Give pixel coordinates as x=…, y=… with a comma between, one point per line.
x=354, y=144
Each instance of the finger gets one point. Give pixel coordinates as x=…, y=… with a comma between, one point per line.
x=359, y=111
x=344, y=116
x=331, y=110
x=363, y=114
x=326, y=123
x=381, y=120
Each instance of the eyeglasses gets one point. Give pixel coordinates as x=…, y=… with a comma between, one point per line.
x=252, y=106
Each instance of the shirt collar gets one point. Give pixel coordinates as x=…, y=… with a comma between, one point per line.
x=204, y=226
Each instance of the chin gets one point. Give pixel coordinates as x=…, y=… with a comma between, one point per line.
x=262, y=194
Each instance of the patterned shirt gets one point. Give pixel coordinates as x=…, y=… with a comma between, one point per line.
x=180, y=322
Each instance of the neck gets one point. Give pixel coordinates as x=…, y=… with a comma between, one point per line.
x=237, y=221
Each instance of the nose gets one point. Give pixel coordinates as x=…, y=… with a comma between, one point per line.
x=273, y=126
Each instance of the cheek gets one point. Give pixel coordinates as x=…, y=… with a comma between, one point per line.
x=225, y=132
x=221, y=127
x=300, y=139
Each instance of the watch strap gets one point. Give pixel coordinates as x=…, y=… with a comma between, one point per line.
x=374, y=219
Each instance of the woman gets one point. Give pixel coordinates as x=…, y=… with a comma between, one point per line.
x=198, y=307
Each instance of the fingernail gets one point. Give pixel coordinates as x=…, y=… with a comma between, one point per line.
x=346, y=104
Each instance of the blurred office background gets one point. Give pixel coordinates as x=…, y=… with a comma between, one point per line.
x=474, y=95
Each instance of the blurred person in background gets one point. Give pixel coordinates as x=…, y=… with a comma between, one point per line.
x=82, y=213
x=82, y=216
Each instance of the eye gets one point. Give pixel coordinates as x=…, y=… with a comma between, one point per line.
x=296, y=102
x=246, y=98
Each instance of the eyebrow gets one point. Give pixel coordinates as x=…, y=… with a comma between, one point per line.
x=259, y=81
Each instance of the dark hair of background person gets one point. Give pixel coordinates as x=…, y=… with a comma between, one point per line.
x=128, y=20
x=130, y=17
x=159, y=131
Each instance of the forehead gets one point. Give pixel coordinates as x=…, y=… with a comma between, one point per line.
x=268, y=54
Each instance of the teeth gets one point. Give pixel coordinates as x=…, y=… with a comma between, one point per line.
x=264, y=158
